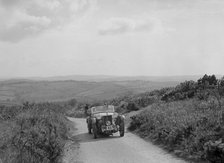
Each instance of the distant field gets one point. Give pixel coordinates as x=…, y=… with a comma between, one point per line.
x=38, y=91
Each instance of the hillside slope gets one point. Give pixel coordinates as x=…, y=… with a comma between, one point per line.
x=39, y=91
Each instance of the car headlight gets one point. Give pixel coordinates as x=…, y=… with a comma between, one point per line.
x=93, y=120
x=100, y=121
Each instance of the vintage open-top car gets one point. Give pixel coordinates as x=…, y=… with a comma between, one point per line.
x=104, y=120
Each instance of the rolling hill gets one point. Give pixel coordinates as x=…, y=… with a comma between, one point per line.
x=13, y=91
x=103, y=78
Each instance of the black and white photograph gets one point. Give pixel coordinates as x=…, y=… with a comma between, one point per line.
x=111, y=81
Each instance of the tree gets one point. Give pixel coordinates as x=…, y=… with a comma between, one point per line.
x=207, y=81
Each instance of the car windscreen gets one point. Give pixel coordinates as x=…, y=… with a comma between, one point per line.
x=101, y=109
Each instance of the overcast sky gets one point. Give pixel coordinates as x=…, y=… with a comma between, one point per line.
x=111, y=37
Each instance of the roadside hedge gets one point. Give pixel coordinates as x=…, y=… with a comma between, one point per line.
x=36, y=133
x=189, y=128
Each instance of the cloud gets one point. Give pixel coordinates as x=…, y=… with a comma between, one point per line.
x=22, y=18
x=127, y=25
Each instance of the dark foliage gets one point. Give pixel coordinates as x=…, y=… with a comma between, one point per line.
x=35, y=133
x=190, y=120
x=202, y=89
x=185, y=126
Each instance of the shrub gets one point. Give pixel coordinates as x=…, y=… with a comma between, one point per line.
x=132, y=107
x=38, y=135
x=214, y=151
x=185, y=125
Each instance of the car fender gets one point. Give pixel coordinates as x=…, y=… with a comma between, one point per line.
x=93, y=120
x=120, y=119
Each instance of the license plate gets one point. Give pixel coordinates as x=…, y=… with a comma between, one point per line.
x=109, y=128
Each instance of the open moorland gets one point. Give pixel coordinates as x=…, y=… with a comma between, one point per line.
x=16, y=91
x=186, y=119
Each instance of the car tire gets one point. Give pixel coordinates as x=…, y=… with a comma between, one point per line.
x=94, y=131
x=122, y=128
x=89, y=125
x=89, y=130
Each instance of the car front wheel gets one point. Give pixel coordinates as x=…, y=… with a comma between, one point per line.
x=94, y=131
x=89, y=130
x=122, y=128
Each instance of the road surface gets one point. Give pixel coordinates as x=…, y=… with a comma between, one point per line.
x=113, y=149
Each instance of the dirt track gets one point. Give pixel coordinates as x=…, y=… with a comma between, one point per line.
x=114, y=149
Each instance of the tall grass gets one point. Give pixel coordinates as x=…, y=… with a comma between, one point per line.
x=35, y=134
x=184, y=126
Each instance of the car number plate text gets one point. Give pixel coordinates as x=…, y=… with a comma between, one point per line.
x=109, y=128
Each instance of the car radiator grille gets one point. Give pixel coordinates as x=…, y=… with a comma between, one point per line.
x=106, y=119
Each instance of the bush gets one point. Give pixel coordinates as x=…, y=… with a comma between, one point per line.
x=132, y=107
x=38, y=135
x=125, y=107
x=184, y=126
x=77, y=114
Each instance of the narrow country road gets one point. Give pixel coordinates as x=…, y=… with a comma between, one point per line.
x=115, y=149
